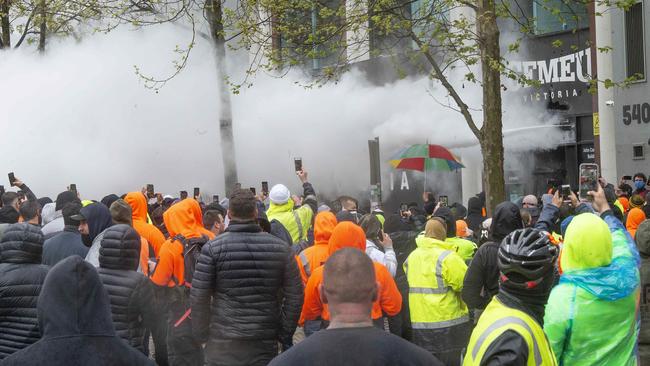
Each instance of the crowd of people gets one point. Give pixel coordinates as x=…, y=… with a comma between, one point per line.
x=282, y=279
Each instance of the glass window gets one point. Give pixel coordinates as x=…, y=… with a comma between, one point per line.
x=553, y=16
x=634, y=51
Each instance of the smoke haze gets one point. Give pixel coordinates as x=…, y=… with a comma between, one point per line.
x=80, y=115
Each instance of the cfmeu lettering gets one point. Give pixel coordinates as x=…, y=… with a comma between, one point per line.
x=557, y=70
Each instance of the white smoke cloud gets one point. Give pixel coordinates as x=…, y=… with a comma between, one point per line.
x=79, y=114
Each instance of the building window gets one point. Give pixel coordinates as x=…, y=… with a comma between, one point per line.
x=634, y=47
x=552, y=16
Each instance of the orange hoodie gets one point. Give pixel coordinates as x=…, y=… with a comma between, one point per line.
x=138, y=204
x=389, y=301
x=179, y=219
x=316, y=255
x=634, y=218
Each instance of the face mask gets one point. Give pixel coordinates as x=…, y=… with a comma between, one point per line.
x=639, y=184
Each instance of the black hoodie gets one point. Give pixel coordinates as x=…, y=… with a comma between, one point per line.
x=21, y=278
x=99, y=219
x=482, y=277
x=75, y=319
x=474, y=214
x=130, y=292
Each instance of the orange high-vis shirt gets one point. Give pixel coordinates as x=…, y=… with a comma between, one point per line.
x=389, y=299
x=138, y=204
x=316, y=255
x=170, y=265
x=182, y=218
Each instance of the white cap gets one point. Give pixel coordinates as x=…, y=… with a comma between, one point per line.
x=279, y=194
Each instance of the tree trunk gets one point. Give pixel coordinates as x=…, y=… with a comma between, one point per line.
x=43, y=26
x=5, y=40
x=215, y=19
x=491, y=138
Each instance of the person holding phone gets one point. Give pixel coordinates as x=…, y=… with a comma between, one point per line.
x=595, y=322
x=379, y=246
x=297, y=221
x=11, y=201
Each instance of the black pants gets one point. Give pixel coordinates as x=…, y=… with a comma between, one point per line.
x=182, y=349
x=223, y=352
x=159, y=335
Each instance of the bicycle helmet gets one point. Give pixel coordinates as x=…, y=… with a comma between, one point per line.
x=525, y=257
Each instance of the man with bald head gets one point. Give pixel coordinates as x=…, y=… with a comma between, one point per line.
x=349, y=288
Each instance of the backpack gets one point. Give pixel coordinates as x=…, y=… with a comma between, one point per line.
x=191, y=252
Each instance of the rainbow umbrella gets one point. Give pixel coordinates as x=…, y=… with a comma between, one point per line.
x=426, y=157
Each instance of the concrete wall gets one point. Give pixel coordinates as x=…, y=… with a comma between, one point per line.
x=628, y=135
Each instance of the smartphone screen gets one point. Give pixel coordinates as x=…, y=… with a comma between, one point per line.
x=150, y=192
x=265, y=188
x=298, y=164
x=589, y=174
x=444, y=201
x=183, y=195
x=2, y=190
x=73, y=188
x=12, y=179
x=197, y=192
x=566, y=192
x=627, y=177
x=253, y=190
x=215, y=198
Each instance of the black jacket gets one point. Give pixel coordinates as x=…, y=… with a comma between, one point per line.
x=21, y=278
x=130, y=293
x=482, y=277
x=75, y=319
x=246, y=286
x=62, y=245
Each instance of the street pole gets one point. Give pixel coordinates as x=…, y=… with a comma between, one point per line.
x=604, y=118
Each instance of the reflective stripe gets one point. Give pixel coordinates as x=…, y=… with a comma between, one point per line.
x=441, y=289
x=438, y=325
x=406, y=266
x=441, y=282
x=502, y=322
x=299, y=223
x=305, y=263
x=428, y=291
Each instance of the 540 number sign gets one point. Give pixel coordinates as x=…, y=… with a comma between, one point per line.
x=636, y=112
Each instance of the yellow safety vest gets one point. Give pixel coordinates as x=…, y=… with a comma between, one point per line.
x=498, y=318
x=435, y=274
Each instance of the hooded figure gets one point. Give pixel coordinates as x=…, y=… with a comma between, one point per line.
x=389, y=300
x=184, y=220
x=435, y=272
x=482, y=278
x=464, y=247
x=591, y=315
x=474, y=214
x=98, y=218
x=316, y=255
x=634, y=218
x=643, y=244
x=21, y=278
x=130, y=293
x=56, y=224
x=138, y=204
x=75, y=320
